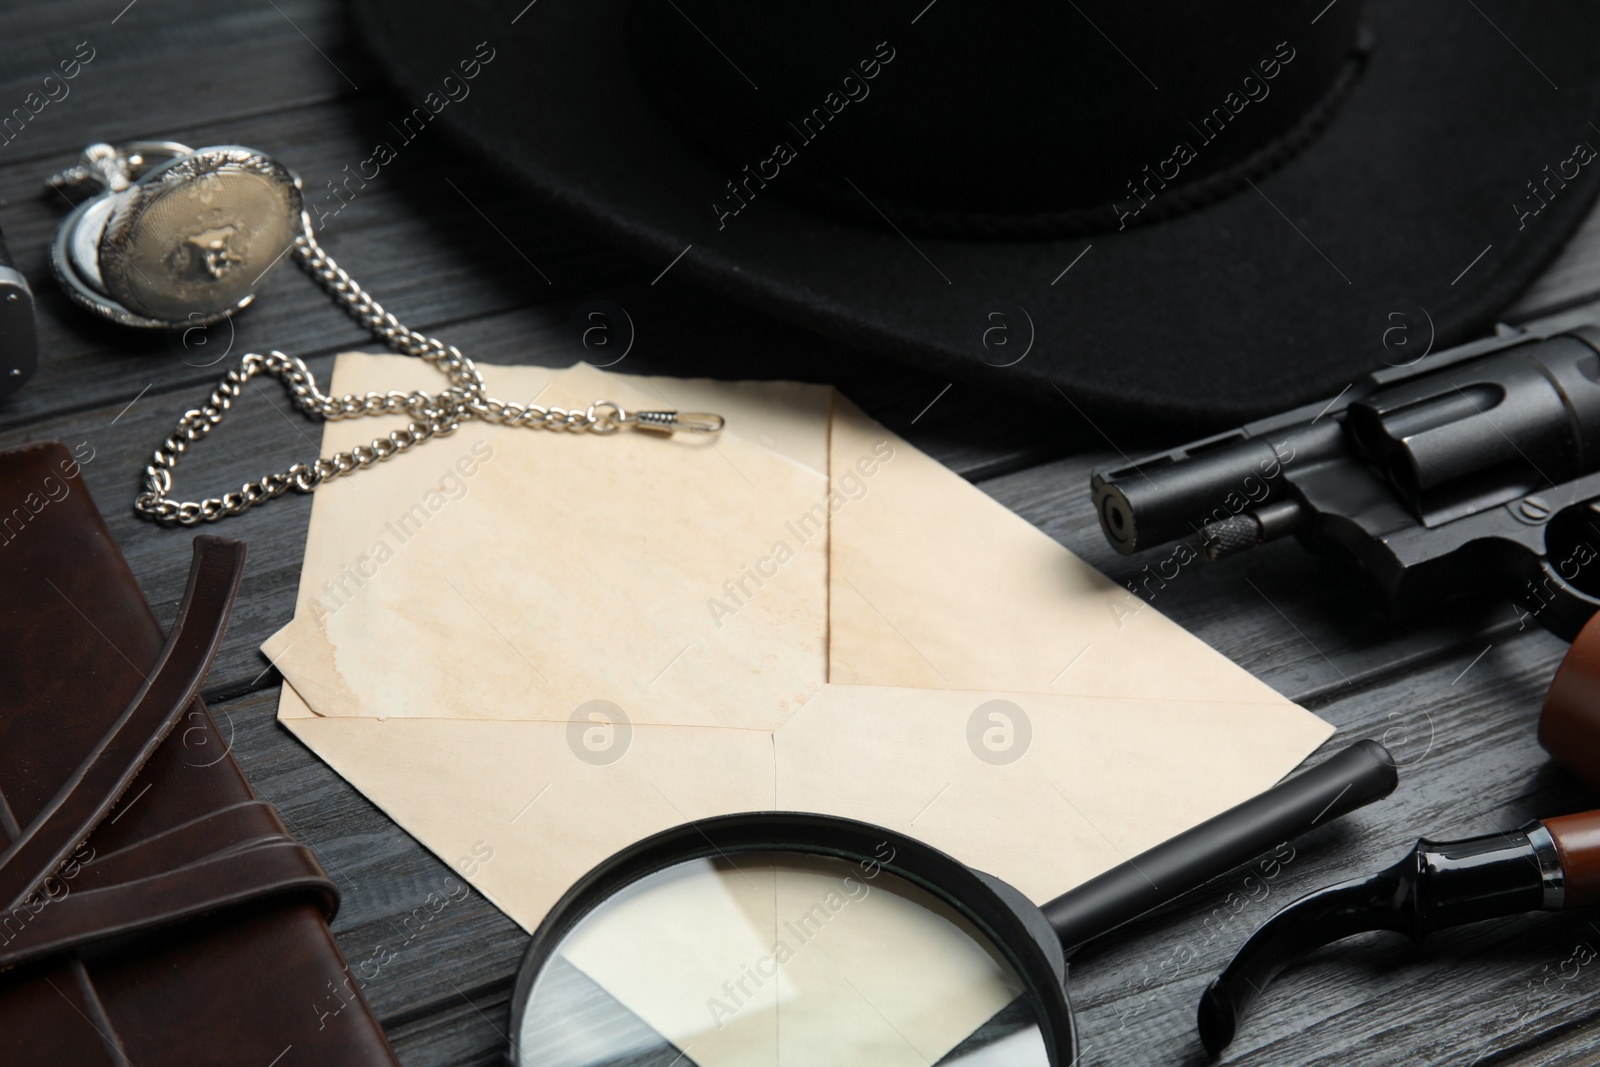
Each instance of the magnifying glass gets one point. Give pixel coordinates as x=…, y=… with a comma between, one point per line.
x=791, y=940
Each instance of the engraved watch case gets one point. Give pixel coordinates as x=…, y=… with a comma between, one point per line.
x=183, y=243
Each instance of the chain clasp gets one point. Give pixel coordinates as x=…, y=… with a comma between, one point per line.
x=678, y=421
x=606, y=416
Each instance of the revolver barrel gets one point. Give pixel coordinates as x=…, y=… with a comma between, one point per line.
x=1170, y=496
x=1477, y=470
x=1218, y=488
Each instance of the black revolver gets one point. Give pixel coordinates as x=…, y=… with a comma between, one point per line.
x=1475, y=470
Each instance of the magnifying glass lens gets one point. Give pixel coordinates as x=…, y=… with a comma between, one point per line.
x=780, y=959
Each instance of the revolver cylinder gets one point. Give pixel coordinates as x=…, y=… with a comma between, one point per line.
x=1475, y=471
x=1486, y=431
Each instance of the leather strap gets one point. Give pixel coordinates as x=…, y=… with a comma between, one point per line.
x=65, y=822
x=215, y=831
x=227, y=857
x=271, y=866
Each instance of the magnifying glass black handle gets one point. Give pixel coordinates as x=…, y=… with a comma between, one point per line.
x=1360, y=774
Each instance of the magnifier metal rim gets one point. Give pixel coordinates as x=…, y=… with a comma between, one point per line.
x=946, y=877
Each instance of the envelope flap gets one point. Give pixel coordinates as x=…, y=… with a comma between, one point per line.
x=933, y=584
x=514, y=573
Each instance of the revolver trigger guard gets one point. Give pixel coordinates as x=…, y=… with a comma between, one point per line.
x=1558, y=605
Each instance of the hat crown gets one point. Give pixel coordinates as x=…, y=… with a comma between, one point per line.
x=1085, y=114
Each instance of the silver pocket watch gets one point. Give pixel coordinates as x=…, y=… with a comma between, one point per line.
x=169, y=237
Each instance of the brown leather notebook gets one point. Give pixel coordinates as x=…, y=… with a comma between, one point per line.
x=156, y=911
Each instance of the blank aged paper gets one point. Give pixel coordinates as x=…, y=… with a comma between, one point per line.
x=519, y=574
x=591, y=639
x=1072, y=785
x=934, y=585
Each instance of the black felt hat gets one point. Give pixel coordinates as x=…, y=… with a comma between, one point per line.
x=1195, y=211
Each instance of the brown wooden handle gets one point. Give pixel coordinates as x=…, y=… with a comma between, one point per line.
x=1577, y=838
x=1569, y=725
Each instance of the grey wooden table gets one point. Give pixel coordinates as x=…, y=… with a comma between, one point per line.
x=1456, y=699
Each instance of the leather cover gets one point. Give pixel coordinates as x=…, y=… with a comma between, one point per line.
x=189, y=927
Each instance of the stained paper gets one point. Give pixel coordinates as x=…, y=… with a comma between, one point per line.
x=589, y=639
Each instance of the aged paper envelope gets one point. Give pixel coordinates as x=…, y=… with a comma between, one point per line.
x=521, y=794
x=1078, y=786
x=1064, y=788
x=942, y=605
x=934, y=585
x=921, y=658
x=522, y=574
x=1042, y=790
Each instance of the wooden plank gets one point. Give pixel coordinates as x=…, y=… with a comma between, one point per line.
x=115, y=444
x=407, y=918
x=1306, y=625
x=264, y=433
x=1571, y=1045
x=184, y=61
x=461, y=266
x=1463, y=733
x=468, y=1033
x=1298, y=622
x=1572, y=279
x=430, y=267
x=1466, y=720
x=1303, y=626
x=1461, y=724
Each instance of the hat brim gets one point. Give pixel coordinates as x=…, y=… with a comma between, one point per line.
x=1277, y=294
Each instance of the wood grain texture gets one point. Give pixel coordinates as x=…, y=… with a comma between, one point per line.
x=432, y=941
x=1464, y=740
x=1454, y=697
